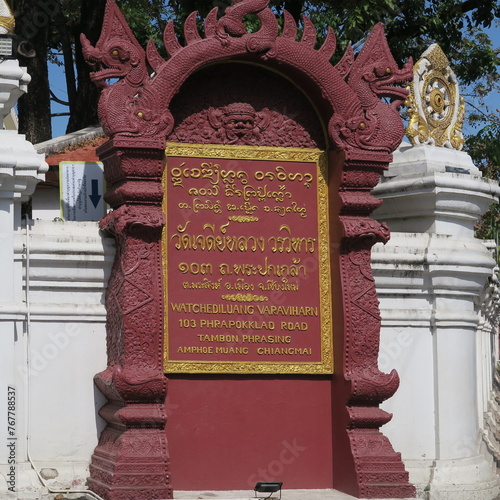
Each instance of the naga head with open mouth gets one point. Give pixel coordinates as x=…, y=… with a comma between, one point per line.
x=117, y=53
x=376, y=75
x=387, y=81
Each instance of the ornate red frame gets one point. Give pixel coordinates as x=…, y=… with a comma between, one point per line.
x=131, y=461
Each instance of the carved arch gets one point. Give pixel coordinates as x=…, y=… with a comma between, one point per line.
x=347, y=95
x=131, y=459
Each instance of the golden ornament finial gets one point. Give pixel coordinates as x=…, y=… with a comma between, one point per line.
x=7, y=21
x=435, y=107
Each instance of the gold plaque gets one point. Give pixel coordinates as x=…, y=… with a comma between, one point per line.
x=246, y=260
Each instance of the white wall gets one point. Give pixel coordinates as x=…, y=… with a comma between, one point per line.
x=55, y=348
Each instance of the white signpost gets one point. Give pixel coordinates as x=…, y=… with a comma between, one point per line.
x=82, y=190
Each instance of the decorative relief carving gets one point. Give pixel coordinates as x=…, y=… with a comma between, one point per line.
x=373, y=385
x=7, y=21
x=381, y=471
x=232, y=125
x=140, y=108
x=360, y=119
x=134, y=378
x=142, y=459
x=214, y=108
x=365, y=229
x=436, y=109
x=368, y=385
x=120, y=56
x=368, y=417
x=238, y=123
x=373, y=75
x=245, y=297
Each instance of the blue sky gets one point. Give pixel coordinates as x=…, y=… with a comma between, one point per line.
x=492, y=101
x=58, y=86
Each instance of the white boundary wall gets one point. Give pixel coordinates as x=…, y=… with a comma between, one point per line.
x=56, y=344
x=439, y=304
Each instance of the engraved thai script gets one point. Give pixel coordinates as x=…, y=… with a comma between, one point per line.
x=273, y=285
x=240, y=285
x=218, y=243
x=206, y=284
x=209, y=171
x=281, y=175
x=229, y=176
x=195, y=268
x=212, y=243
x=246, y=207
x=198, y=205
x=290, y=244
x=294, y=269
x=292, y=209
x=211, y=191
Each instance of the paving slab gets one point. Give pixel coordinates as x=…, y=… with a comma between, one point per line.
x=237, y=495
x=285, y=495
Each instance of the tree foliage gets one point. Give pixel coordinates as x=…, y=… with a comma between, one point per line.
x=53, y=27
x=484, y=148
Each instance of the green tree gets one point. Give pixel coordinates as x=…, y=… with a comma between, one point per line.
x=484, y=147
x=34, y=108
x=411, y=25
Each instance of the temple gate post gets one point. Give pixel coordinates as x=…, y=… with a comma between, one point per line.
x=144, y=111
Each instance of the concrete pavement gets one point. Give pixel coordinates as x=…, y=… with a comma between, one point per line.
x=249, y=495
x=236, y=495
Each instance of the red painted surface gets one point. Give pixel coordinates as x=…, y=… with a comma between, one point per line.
x=252, y=255
x=78, y=152
x=228, y=434
x=131, y=461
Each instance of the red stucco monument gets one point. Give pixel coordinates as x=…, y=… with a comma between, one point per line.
x=239, y=171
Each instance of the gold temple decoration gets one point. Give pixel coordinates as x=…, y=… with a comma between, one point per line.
x=434, y=104
x=7, y=21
